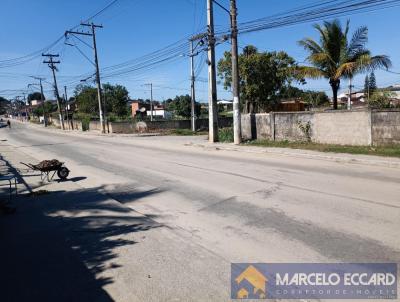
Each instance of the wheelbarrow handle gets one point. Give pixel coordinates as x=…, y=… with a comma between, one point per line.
x=28, y=165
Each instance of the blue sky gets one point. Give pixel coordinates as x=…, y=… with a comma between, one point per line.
x=133, y=28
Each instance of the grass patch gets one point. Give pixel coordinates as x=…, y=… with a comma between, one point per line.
x=389, y=151
x=225, y=135
x=185, y=132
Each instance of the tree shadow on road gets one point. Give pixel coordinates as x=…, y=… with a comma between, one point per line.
x=63, y=246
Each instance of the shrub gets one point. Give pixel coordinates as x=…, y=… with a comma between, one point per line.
x=226, y=135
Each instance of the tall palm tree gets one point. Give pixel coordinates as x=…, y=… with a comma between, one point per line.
x=337, y=57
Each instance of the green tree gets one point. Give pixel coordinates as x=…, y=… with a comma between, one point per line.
x=182, y=106
x=291, y=92
x=116, y=99
x=337, y=57
x=380, y=100
x=366, y=85
x=49, y=107
x=263, y=75
x=86, y=99
x=35, y=96
x=372, y=83
x=315, y=98
x=4, y=105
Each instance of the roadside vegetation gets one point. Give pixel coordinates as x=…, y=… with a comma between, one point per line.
x=226, y=135
x=185, y=132
x=388, y=151
x=336, y=56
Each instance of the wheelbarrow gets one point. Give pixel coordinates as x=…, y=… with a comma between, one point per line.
x=48, y=169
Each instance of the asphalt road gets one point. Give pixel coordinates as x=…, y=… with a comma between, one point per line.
x=214, y=207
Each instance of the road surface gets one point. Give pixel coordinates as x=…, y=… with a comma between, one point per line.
x=214, y=207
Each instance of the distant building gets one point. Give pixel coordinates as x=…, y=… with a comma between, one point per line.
x=141, y=108
x=226, y=105
x=138, y=107
x=291, y=105
x=35, y=103
x=359, y=99
x=159, y=111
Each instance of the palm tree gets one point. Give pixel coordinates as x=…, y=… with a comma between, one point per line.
x=337, y=57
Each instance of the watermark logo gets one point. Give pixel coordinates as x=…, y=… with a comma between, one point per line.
x=253, y=278
x=314, y=281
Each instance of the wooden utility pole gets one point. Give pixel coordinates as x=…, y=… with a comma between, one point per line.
x=212, y=77
x=96, y=63
x=51, y=63
x=237, y=131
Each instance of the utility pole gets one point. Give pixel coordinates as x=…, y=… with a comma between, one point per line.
x=192, y=87
x=200, y=38
x=212, y=77
x=51, y=63
x=26, y=109
x=96, y=63
x=151, y=100
x=237, y=131
x=66, y=107
x=105, y=110
x=350, y=91
x=41, y=98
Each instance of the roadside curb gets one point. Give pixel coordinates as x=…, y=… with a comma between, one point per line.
x=336, y=157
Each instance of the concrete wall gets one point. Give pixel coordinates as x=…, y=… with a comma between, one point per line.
x=287, y=125
x=343, y=128
x=73, y=125
x=356, y=128
x=385, y=127
x=130, y=127
x=95, y=126
x=256, y=126
x=122, y=127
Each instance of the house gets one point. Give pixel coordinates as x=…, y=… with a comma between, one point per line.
x=159, y=111
x=139, y=107
x=225, y=105
x=142, y=108
x=35, y=103
x=291, y=105
x=360, y=100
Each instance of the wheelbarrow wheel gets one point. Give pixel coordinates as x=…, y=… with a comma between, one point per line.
x=63, y=173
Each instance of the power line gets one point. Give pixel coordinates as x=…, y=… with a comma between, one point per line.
x=35, y=54
x=315, y=12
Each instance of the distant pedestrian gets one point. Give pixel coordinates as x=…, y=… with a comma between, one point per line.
x=9, y=124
